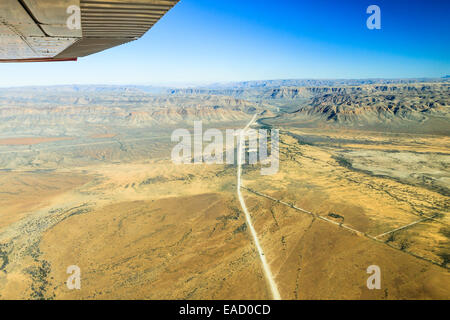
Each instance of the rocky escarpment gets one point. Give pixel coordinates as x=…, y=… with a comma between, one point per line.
x=378, y=105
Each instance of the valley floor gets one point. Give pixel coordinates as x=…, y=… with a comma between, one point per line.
x=154, y=230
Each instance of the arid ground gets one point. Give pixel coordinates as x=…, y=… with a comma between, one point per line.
x=87, y=180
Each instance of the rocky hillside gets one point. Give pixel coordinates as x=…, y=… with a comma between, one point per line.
x=377, y=105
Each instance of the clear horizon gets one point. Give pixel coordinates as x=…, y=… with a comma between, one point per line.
x=191, y=84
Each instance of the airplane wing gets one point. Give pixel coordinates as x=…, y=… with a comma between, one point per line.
x=60, y=30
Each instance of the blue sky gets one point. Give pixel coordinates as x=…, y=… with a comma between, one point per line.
x=202, y=41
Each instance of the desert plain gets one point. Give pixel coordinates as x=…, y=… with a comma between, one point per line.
x=87, y=179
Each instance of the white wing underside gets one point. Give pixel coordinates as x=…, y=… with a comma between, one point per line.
x=37, y=30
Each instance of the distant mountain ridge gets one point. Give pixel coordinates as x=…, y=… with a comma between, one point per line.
x=375, y=102
x=416, y=106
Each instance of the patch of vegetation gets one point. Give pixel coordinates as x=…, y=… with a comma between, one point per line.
x=78, y=212
x=3, y=257
x=39, y=273
x=229, y=169
x=445, y=258
x=404, y=244
x=241, y=228
x=188, y=177
x=283, y=240
x=39, y=276
x=153, y=180
x=225, y=218
x=336, y=216
x=343, y=162
x=445, y=231
x=391, y=238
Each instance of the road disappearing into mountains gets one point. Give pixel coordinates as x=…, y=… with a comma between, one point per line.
x=265, y=265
